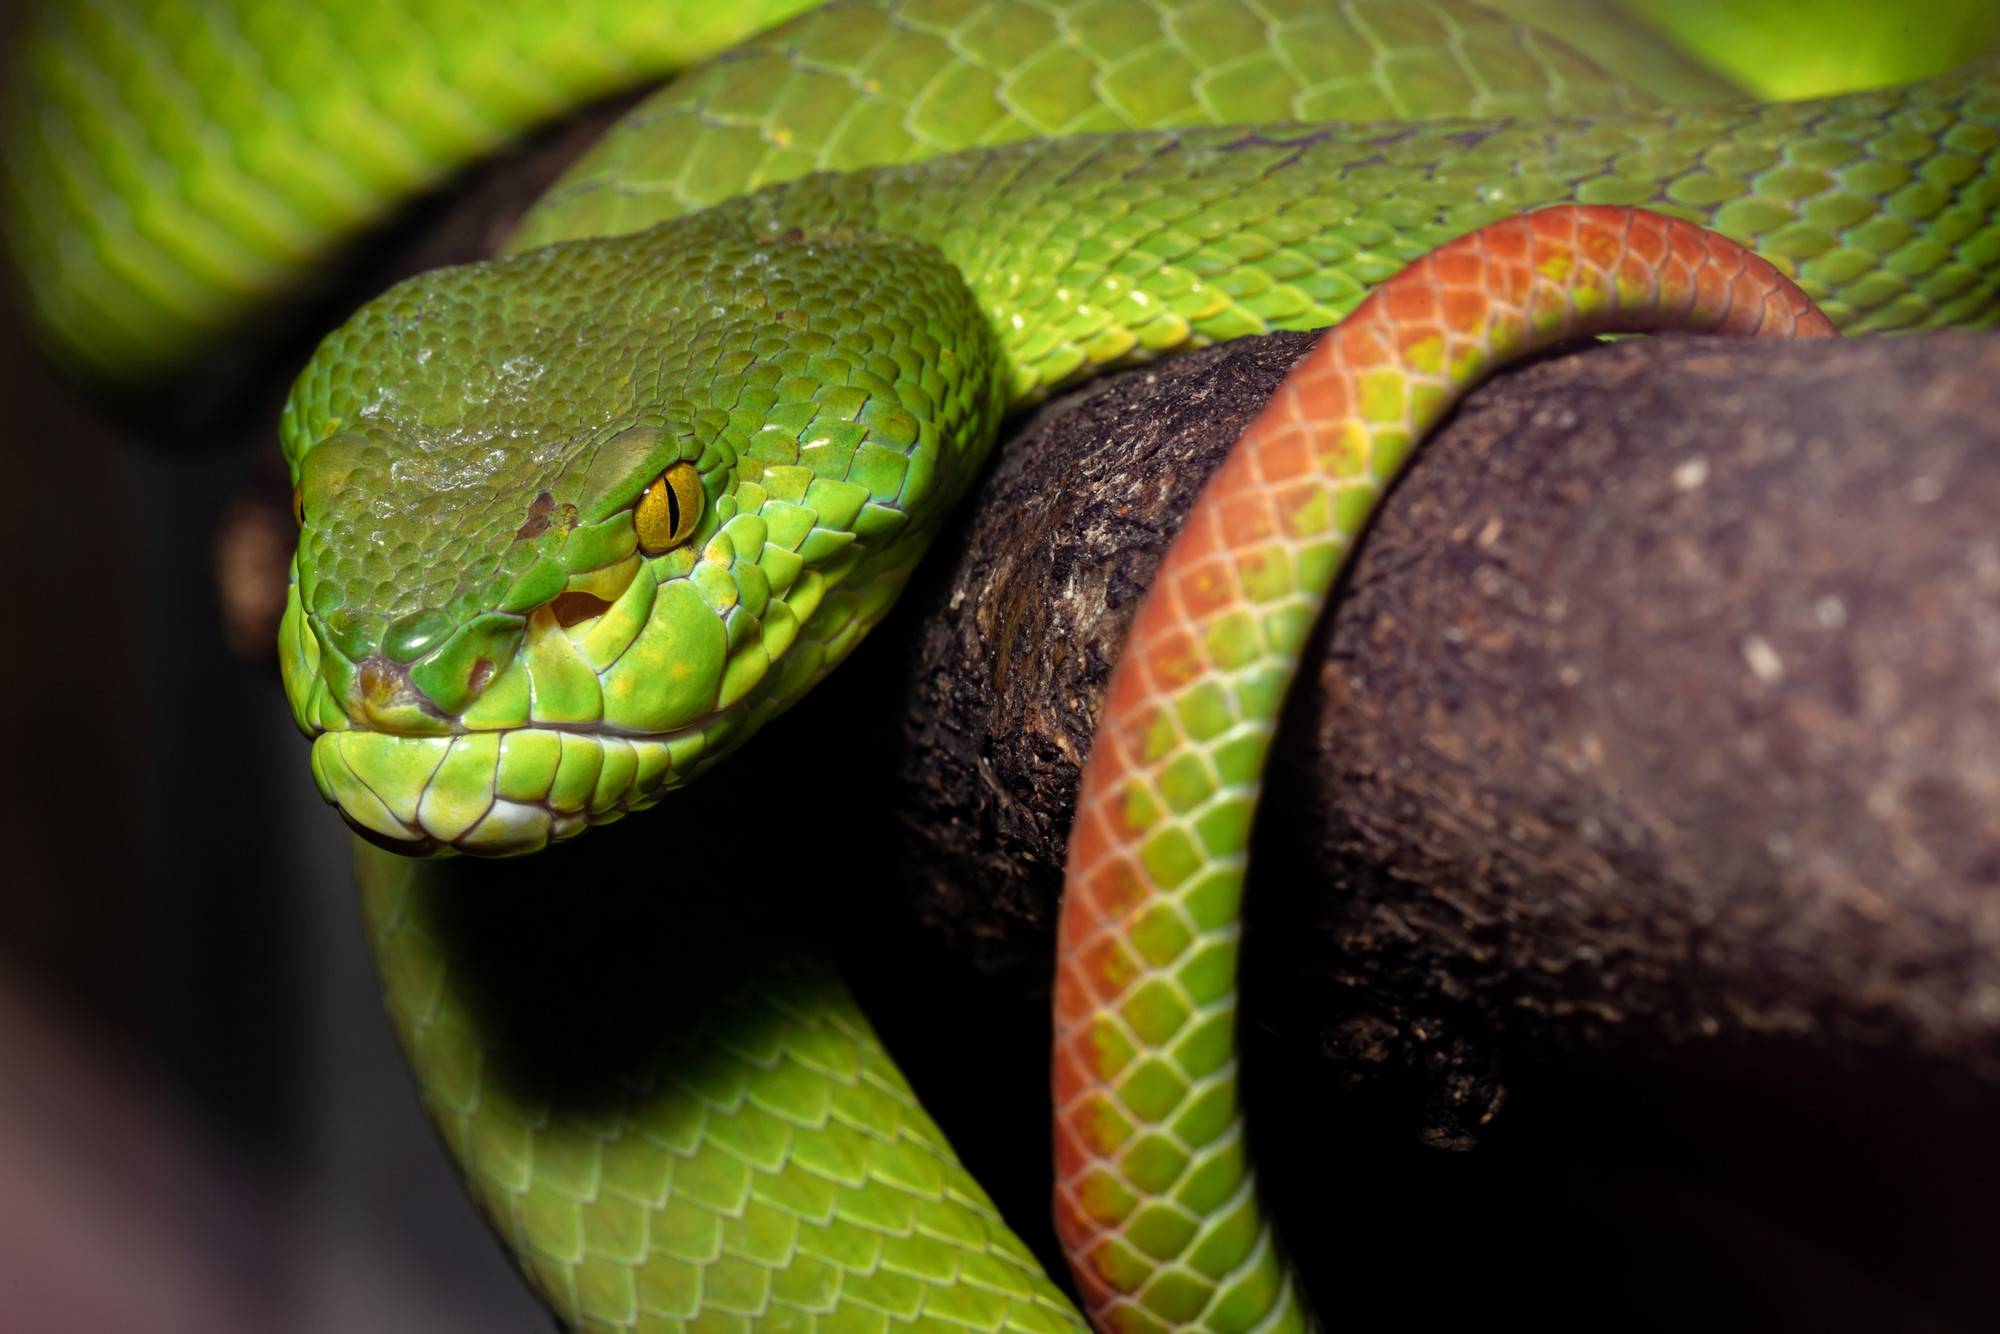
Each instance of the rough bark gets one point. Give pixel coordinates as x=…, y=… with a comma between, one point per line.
x=1660, y=707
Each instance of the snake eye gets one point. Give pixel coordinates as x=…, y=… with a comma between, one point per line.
x=670, y=510
x=299, y=506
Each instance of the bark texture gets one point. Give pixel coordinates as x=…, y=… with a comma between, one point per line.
x=1661, y=705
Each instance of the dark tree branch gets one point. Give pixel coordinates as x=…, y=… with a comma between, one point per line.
x=1662, y=705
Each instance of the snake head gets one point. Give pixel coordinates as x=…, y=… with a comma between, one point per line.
x=576, y=523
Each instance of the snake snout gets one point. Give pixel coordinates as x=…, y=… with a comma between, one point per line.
x=491, y=794
x=512, y=730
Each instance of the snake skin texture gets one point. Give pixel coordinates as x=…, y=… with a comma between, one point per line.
x=174, y=165
x=829, y=377
x=804, y=284
x=1155, y=1197
x=820, y=413
x=171, y=167
x=860, y=84
x=699, y=1132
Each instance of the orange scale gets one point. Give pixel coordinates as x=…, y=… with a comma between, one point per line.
x=1201, y=533
x=1108, y=968
x=1129, y=735
x=1636, y=282
x=1688, y=247
x=1089, y=838
x=1159, y=616
x=1711, y=288
x=1236, y=475
x=1779, y=314
x=1513, y=283
x=1745, y=294
x=1129, y=693
x=1172, y=660
x=1070, y=1219
x=1073, y=1006
x=1069, y=1078
x=1119, y=887
x=1646, y=245
x=1207, y=588
x=1099, y=1127
x=1414, y=333
x=1293, y=501
x=1551, y=257
x=1460, y=266
x=1465, y=310
x=1602, y=217
x=1675, y=298
x=1719, y=249
x=1151, y=618
x=1415, y=301
x=1322, y=394
x=1546, y=304
x=1102, y=1266
x=1247, y=519
x=1599, y=247
x=1341, y=448
x=1358, y=344
x=1544, y=248
x=1284, y=453
x=1503, y=243
x=1071, y=1155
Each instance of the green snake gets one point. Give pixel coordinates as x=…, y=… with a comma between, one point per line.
x=577, y=522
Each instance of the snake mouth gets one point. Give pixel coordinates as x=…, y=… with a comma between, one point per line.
x=493, y=794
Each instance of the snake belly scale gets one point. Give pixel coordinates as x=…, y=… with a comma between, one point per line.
x=493, y=652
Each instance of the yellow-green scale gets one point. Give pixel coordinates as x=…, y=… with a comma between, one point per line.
x=173, y=164
x=1086, y=252
x=1227, y=232
x=155, y=193
x=669, y=1106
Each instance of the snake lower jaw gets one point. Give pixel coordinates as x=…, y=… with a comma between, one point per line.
x=493, y=794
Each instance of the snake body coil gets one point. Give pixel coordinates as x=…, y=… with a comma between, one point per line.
x=579, y=521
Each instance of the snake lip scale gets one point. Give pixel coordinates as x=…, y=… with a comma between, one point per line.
x=578, y=521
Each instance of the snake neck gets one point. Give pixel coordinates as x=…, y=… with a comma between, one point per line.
x=1099, y=251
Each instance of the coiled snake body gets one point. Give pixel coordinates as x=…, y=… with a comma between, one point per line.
x=578, y=521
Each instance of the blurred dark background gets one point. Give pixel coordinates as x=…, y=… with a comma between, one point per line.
x=204, y=1121
x=205, y=1125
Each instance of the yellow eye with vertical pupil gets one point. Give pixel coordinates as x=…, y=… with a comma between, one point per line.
x=670, y=510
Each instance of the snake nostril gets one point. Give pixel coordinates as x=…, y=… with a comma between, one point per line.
x=382, y=682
